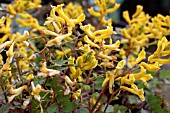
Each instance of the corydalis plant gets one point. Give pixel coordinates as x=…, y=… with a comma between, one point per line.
x=74, y=57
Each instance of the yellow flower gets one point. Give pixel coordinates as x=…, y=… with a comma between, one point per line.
x=5, y=44
x=94, y=13
x=112, y=46
x=134, y=90
x=114, y=8
x=22, y=38
x=125, y=33
x=29, y=77
x=103, y=56
x=105, y=80
x=68, y=81
x=87, y=61
x=70, y=11
x=107, y=64
x=128, y=79
x=45, y=72
x=160, y=61
x=36, y=91
x=15, y=92
x=76, y=94
x=111, y=81
x=10, y=53
x=87, y=40
x=150, y=67
x=88, y=30
x=75, y=73
x=62, y=53
x=126, y=16
x=138, y=11
x=142, y=75
x=119, y=66
x=18, y=90
x=122, y=53
x=141, y=56
x=57, y=40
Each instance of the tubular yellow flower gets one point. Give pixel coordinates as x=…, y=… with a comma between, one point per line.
x=87, y=61
x=11, y=9
x=68, y=81
x=59, y=10
x=2, y=20
x=48, y=32
x=94, y=13
x=119, y=66
x=10, y=53
x=111, y=81
x=101, y=55
x=5, y=44
x=107, y=64
x=141, y=56
x=114, y=8
x=79, y=19
x=62, y=53
x=126, y=16
x=36, y=91
x=112, y=46
x=128, y=79
x=87, y=40
x=54, y=17
x=70, y=11
x=57, y=40
x=71, y=61
x=18, y=90
x=76, y=94
x=122, y=53
x=87, y=29
x=142, y=75
x=29, y=77
x=105, y=80
x=160, y=61
x=150, y=67
x=22, y=38
x=138, y=92
x=45, y=72
x=138, y=11
x=125, y=33
x=75, y=73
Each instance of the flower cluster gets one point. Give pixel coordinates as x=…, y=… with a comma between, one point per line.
x=63, y=56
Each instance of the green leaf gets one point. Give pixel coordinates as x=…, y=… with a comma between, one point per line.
x=53, y=108
x=132, y=99
x=56, y=84
x=69, y=45
x=98, y=83
x=5, y=108
x=83, y=110
x=34, y=105
x=35, y=110
x=109, y=108
x=154, y=103
x=62, y=98
x=62, y=68
x=164, y=74
x=120, y=109
x=69, y=106
x=60, y=62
